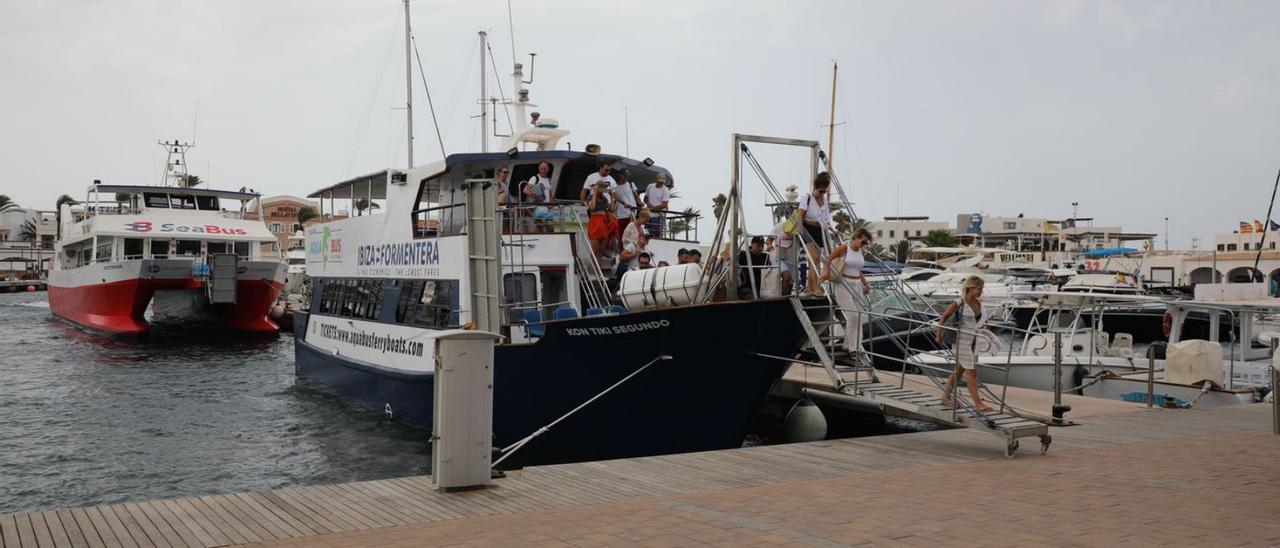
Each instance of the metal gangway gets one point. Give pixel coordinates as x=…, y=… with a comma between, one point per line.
x=851, y=373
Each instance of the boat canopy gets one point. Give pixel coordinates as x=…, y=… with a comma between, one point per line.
x=1060, y=299
x=191, y=191
x=1109, y=252
x=374, y=185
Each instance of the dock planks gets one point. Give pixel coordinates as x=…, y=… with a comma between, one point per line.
x=300, y=512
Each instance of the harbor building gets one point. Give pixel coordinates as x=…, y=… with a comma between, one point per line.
x=892, y=230
x=280, y=213
x=24, y=255
x=1039, y=234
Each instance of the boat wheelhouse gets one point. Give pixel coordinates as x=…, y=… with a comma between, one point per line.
x=179, y=250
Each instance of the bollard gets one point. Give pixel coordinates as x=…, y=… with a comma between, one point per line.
x=1275, y=381
x=1058, y=409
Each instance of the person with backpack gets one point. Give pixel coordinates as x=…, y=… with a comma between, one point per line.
x=815, y=217
x=962, y=320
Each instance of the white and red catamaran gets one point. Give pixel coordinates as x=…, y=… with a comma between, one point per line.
x=181, y=249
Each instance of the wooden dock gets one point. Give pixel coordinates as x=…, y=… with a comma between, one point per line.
x=704, y=495
x=18, y=286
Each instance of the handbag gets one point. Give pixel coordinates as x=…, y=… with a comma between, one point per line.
x=837, y=269
x=949, y=332
x=795, y=219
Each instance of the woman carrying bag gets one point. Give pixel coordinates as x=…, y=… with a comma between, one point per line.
x=844, y=269
x=814, y=215
x=966, y=318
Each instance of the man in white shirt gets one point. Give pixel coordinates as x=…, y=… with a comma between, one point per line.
x=601, y=174
x=625, y=200
x=537, y=190
x=657, y=197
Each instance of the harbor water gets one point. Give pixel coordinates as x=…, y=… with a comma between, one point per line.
x=85, y=420
x=88, y=420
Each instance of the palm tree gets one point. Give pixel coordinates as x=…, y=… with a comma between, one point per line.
x=940, y=237
x=29, y=232
x=681, y=225
x=362, y=204
x=7, y=204
x=901, y=251
x=189, y=181
x=64, y=199
x=306, y=213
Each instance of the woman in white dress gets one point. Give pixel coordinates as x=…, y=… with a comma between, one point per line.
x=850, y=287
x=969, y=311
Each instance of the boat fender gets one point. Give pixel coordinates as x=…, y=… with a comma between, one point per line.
x=1077, y=378
x=805, y=422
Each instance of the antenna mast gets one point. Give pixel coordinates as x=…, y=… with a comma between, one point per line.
x=175, y=162
x=831, y=129
x=484, y=122
x=408, y=80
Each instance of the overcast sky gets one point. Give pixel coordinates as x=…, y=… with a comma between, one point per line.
x=1137, y=110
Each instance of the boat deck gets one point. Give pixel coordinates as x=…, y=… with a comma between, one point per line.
x=1190, y=460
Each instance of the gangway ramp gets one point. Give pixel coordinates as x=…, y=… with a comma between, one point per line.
x=861, y=386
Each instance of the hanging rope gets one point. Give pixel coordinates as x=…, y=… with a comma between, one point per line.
x=511, y=449
x=501, y=94
x=435, y=122
x=1258, y=275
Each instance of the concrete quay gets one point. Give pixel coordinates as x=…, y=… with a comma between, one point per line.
x=1130, y=475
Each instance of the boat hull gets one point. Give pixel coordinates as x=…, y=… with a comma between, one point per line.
x=115, y=303
x=704, y=398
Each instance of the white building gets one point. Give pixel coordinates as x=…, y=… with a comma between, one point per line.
x=1023, y=233
x=892, y=230
x=21, y=257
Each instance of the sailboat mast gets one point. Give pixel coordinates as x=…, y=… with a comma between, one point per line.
x=831, y=127
x=484, y=120
x=408, y=81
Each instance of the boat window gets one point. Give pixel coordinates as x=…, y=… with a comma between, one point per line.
x=242, y=249
x=160, y=249
x=132, y=248
x=104, y=248
x=519, y=293
x=216, y=247
x=207, y=203
x=182, y=201
x=156, y=200
x=188, y=248
x=523, y=172
x=426, y=303
x=75, y=254
x=573, y=174
x=297, y=261
x=555, y=291
x=440, y=211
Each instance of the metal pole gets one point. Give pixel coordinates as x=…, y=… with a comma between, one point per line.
x=1151, y=376
x=1057, y=369
x=731, y=284
x=408, y=81
x=484, y=121
x=1275, y=381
